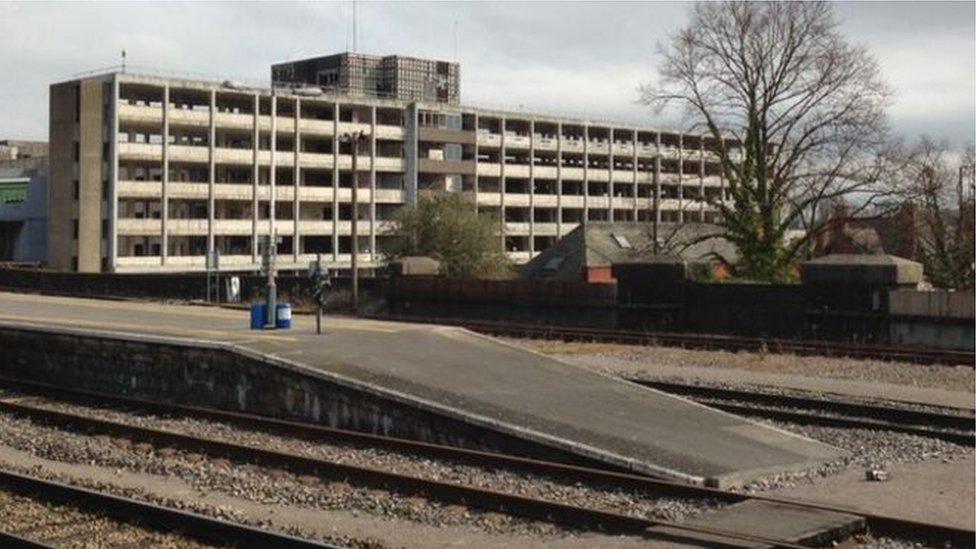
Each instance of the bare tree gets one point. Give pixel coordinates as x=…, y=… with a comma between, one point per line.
x=795, y=112
x=941, y=187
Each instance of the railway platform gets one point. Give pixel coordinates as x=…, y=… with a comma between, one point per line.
x=470, y=378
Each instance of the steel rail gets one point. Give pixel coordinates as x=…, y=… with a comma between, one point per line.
x=811, y=411
x=190, y=524
x=703, y=341
x=8, y=540
x=880, y=524
x=447, y=492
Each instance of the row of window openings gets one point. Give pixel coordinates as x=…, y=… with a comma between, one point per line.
x=152, y=209
x=620, y=190
x=580, y=139
x=576, y=215
x=384, y=212
x=144, y=246
x=286, y=108
x=283, y=177
x=571, y=216
x=512, y=186
x=690, y=144
x=384, y=148
x=691, y=168
x=325, y=244
x=448, y=151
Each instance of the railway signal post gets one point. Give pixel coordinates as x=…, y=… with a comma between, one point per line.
x=321, y=284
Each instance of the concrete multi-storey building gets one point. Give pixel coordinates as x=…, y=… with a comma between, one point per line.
x=149, y=173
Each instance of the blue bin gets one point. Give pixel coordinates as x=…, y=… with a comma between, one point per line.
x=283, y=320
x=259, y=315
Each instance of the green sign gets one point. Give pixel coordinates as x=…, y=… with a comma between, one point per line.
x=13, y=193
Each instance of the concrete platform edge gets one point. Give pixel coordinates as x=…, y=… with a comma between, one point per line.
x=381, y=392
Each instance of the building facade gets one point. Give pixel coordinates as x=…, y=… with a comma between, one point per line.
x=388, y=77
x=18, y=149
x=149, y=173
x=23, y=208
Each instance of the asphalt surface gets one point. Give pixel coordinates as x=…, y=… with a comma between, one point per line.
x=474, y=378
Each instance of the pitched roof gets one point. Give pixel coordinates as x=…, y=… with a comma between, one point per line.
x=603, y=243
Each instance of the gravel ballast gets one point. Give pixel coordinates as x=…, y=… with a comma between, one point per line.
x=634, y=360
x=66, y=526
x=276, y=486
x=869, y=448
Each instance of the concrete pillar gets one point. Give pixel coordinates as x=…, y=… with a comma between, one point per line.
x=531, y=188
x=701, y=178
x=164, y=205
x=273, y=174
x=586, y=173
x=113, y=179
x=255, y=175
x=296, y=185
x=335, y=182
x=501, y=184
x=721, y=184
x=657, y=179
x=410, y=145
x=559, y=179
x=475, y=162
x=610, y=190
x=681, y=171
x=372, y=185
x=633, y=142
x=212, y=173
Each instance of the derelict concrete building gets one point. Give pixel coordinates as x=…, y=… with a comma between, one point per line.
x=148, y=173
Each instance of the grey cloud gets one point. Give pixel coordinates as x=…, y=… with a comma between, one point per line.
x=583, y=57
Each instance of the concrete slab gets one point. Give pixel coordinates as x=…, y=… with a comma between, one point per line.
x=775, y=521
x=476, y=379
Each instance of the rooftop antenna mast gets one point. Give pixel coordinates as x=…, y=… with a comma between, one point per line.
x=455, y=41
x=355, y=8
x=123, y=61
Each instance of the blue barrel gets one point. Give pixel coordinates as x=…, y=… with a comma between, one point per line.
x=259, y=315
x=284, y=316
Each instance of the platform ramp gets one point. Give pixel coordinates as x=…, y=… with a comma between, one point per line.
x=480, y=381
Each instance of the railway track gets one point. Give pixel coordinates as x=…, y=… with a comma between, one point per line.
x=534, y=508
x=705, y=341
x=35, y=512
x=956, y=427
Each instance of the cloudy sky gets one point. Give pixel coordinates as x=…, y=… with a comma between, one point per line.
x=583, y=59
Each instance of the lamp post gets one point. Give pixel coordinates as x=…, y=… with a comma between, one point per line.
x=354, y=138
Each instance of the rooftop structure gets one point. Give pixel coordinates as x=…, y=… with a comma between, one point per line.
x=589, y=251
x=389, y=77
x=148, y=173
x=17, y=153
